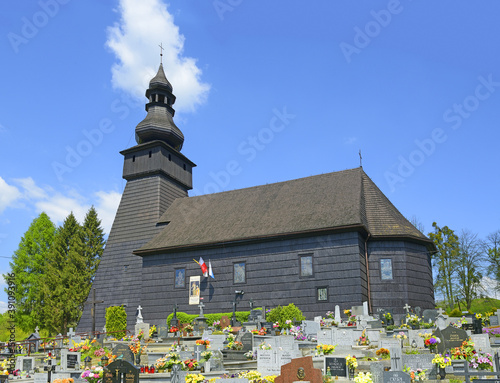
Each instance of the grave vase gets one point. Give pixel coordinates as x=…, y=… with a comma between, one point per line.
x=138, y=358
x=351, y=372
x=441, y=372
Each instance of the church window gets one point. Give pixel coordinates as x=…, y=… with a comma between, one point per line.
x=239, y=272
x=306, y=266
x=180, y=278
x=169, y=157
x=386, y=269
x=184, y=165
x=161, y=98
x=150, y=154
x=133, y=158
x=322, y=294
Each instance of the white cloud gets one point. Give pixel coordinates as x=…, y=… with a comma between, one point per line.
x=3, y=307
x=8, y=195
x=106, y=207
x=489, y=286
x=30, y=189
x=134, y=40
x=58, y=205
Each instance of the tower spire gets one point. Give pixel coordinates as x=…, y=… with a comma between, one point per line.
x=161, y=53
x=159, y=123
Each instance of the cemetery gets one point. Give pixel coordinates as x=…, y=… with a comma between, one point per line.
x=356, y=346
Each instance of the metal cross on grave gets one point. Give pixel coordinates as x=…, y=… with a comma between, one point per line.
x=201, y=305
x=440, y=311
x=407, y=307
x=140, y=319
x=93, y=302
x=395, y=361
x=197, y=352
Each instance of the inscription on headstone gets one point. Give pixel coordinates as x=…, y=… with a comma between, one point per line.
x=450, y=337
x=396, y=376
x=338, y=366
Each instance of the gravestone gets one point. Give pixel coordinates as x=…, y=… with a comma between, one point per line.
x=162, y=331
x=224, y=321
x=286, y=356
x=396, y=376
x=300, y=369
x=423, y=361
x=418, y=310
x=357, y=310
x=343, y=337
x=39, y=377
x=70, y=360
x=255, y=315
x=266, y=362
x=338, y=366
x=25, y=363
x=310, y=328
x=338, y=318
x=396, y=359
x=286, y=342
x=247, y=341
x=430, y=315
x=178, y=376
x=269, y=327
x=120, y=371
x=325, y=336
x=142, y=327
x=450, y=337
x=413, y=335
x=494, y=320
x=377, y=372
x=481, y=342
x=124, y=353
x=217, y=342
x=389, y=342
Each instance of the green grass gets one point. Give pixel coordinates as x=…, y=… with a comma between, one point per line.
x=480, y=305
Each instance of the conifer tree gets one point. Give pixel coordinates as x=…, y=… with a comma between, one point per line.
x=93, y=241
x=28, y=266
x=63, y=279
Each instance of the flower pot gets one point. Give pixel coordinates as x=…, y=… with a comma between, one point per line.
x=441, y=372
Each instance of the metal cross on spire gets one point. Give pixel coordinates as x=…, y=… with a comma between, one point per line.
x=161, y=53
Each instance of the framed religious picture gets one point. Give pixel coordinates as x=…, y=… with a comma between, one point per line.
x=194, y=290
x=180, y=278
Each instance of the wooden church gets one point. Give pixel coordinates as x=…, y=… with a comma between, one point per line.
x=326, y=240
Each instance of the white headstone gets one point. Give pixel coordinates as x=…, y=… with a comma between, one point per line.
x=310, y=327
x=70, y=360
x=441, y=322
x=266, y=362
x=144, y=327
x=324, y=336
x=338, y=318
x=25, y=363
x=365, y=309
x=481, y=342
x=396, y=359
x=140, y=319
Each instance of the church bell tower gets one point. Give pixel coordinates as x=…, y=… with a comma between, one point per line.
x=156, y=173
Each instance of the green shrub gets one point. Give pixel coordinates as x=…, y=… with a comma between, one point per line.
x=241, y=316
x=455, y=312
x=116, y=321
x=281, y=314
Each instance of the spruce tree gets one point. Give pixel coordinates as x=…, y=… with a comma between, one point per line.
x=93, y=241
x=28, y=267
x=64, y=278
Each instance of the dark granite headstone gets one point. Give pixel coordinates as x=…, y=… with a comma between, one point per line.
x=254, y=315
x=247, y=341
x=28, y=364
x=338, y=366
x=396, y=376
x=121, y=349
x=430, y=314
x=451, y=337
x=121, y=371
x=71, y=361
x=269, y=327
x=162, y=332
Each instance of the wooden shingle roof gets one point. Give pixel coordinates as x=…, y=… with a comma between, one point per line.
x=327, y=202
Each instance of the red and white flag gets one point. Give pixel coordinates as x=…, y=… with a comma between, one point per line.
x=204, y=268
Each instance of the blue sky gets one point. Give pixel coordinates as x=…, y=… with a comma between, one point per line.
x=414, y=85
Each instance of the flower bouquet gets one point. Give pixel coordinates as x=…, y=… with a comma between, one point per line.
x=203, y=342
x=383, y=353
x=417, y=375
x=441, y=360
x=190, y=364
x=351, y=362
x=482, y=362
x=363, y=377
x=325, y=349
x=93, y=375
x=206, y=355
x=194, y=378
x=432, y=342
